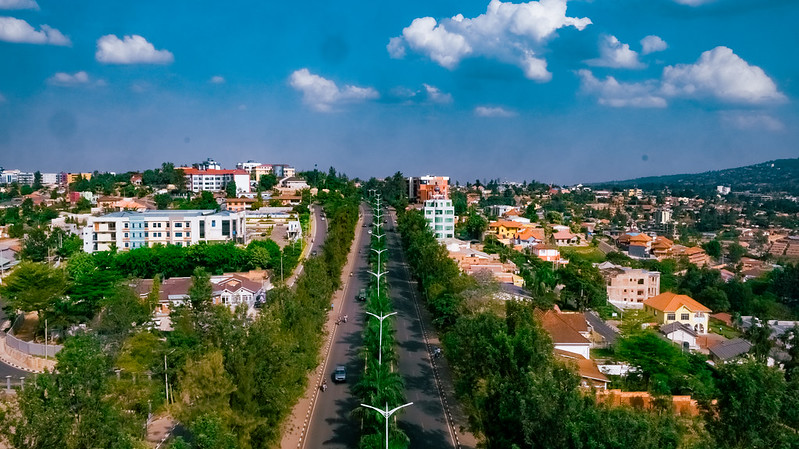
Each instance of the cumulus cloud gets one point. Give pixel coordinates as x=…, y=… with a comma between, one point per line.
x=751, y=120
x=611, y=92
x=19, y=31
x=721, y=74
x=651, y=44
x=508, y=32
x=614, y=54
x=435, y=95
x=216, y=79
x=66, y=79
x=130, y=50
x=19, y=4
x=493, y=111
x=322, y=94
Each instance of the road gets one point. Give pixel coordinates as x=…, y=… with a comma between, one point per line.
x=318, y=237
x=330, y=424
x=425, y=421
x=602, y=328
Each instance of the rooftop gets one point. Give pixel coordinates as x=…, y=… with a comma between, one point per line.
x=671, y=302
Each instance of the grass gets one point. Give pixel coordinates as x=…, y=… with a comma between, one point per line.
x=601, y=353
x=590, y=253
x=718, y=327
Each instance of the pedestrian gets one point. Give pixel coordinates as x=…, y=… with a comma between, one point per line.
x=345, y=318
x=331, y=306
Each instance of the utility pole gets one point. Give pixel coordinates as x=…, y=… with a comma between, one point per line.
x=380, y=345
x=386, y=414
x=378, y=276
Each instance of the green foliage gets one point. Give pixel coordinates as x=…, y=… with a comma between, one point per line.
x=476, y=224
x=712, y=248
x=33, y=287
x=584, y=286
x=201, y=290
x=230, y=189
x=162, y=200
x=267, y=182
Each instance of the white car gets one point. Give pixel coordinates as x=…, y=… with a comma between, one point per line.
x=370, y=231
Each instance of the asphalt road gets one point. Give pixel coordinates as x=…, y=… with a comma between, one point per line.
x=317, y=240
x=8, y=370
x=424, y=422
x=331, y=425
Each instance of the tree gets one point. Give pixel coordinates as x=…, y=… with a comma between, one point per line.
x=69, y=408
x=476, y=224
x=748, y=407
x=759, y=334
x=33, y=287
x=37, y=180
x=584, y=286
x=201, y=290
x=36, y=245
x=713, y=248
x=267, y=182
x=230, y=189
x=162, y=200
x=83, y=205
x=659, y=362
x=735, y=252
x=210, y=433
x=205, y=387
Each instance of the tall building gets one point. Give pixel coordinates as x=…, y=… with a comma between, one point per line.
x=257, y=169
x=440, y=215
x=216, y=180
x=628, y=288
x=129, y=230
x=209, y=164
x=433, y=186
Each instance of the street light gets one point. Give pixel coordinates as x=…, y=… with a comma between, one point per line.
x=378, y=276
x=379, y=252
x=386, y=414
x=380, y=344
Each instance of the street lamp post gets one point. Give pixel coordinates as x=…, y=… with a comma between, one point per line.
x=378, y=276
x=379, y=252
x=380, y=344
x=386, y=414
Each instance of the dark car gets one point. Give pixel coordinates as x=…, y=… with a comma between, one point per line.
x=340, y=374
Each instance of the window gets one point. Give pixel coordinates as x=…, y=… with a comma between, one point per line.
x=126, y=244
x=146, y=234
x=640, y=282
x=126, y=234
x=685, y=316
x=213, y=223
x=178, y=225
x=126, y=226
x=188, y=234
x=699, y=315
x=671, y=317
x=178, y=234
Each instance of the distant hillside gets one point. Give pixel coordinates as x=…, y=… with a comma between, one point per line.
x=781, y=175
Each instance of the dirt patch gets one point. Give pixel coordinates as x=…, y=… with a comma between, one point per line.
x=27, y=327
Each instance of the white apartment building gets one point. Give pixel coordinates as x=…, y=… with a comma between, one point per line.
x=628, y=288
x=9, y=176
x=440, y=215
x=216, y=180
x=279, y=170
x=129, y=230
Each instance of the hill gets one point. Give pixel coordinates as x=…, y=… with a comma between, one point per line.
x=781, y=175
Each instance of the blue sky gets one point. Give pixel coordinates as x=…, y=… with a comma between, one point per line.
x=550, y=90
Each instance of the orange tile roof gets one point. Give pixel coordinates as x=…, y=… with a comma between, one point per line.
x=640, y=238
x=585, y=367
x=506, y=223
x=526, y=234
x=693, y=250
x=560, y=329
x=670, y=302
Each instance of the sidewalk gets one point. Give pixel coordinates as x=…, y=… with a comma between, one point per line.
x=159, y=430
x=296, y=425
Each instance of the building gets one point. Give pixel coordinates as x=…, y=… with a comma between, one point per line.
x=209, y=164
x=25, y=178
x=590, y=375
x=50, y=179
x=215, y=180
x=9, y=176
x=440, y=215
x=432, y=187
x=670, y=307
x=248, y=166
x=505, y=229
x=74, y=177
x=568, y=331
x=694, y=254
x=548, y=253
x=238, y=204
x=256, y=169
x=729, y=350
x=663, y=216
x=628, y=288
x=129, y=230
x=680, y=334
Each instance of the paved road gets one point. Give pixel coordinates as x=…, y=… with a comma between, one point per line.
x=8, y=370
x=424, y=422
x=318, y=238
x=602, y=328
x=331, y=425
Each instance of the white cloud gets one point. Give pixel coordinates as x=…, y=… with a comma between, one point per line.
x=19, y=31
x=508, y=32
x=614, y=54
x=750, y=120
x=612, y=93
x=493, y=111
x=216, y=79
x=19, y=4
x=65, y=79
x=721, y=74
x=130, y=50
x=322, y=94
x=651, y=44
x=435, y=95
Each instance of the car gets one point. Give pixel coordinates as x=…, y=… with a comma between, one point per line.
x=370, y=231
x=340, y=374
x=361, y=295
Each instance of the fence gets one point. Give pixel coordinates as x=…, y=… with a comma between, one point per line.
x=32, y=348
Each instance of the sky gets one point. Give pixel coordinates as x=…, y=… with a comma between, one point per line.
x=551, y=90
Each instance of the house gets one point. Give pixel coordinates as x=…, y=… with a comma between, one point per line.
x=681, y=334
x=627, y=287
x=694, y=254
x=504, y=229
x=529, y=237
x=238, y=204
x=590, y=375
x=293, y=184
x=565, y=237
x=729, y=350
x=670, y=307
x=630, y=238
x=662, y=248
x=548, y=253
x=568, y=331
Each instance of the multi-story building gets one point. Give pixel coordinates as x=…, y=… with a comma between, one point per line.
x=128, y=230
x=663, y=216
x=49, y=179
x=72, y=177
x=209, y=164
x=249, y=165
x=432, y=186
x=628, y=288
x=25, y=178
x=9, y=176
x=214, y=180
x=670, y=307
x=440, y=215
x=256, y=169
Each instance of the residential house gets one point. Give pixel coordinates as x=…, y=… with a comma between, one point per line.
x=293, y=184
x=529, y=237
x=729, y=350
x=590, y=375
x=548, y=253
x=238, y=204
x=627, y=287
x=662, y=248
x=669, y=307
x=568, y=331
x=504, y=229
x=472, y=261
x=431, y=187
x=565, y=238
x=681, y=334
x=694, y=254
